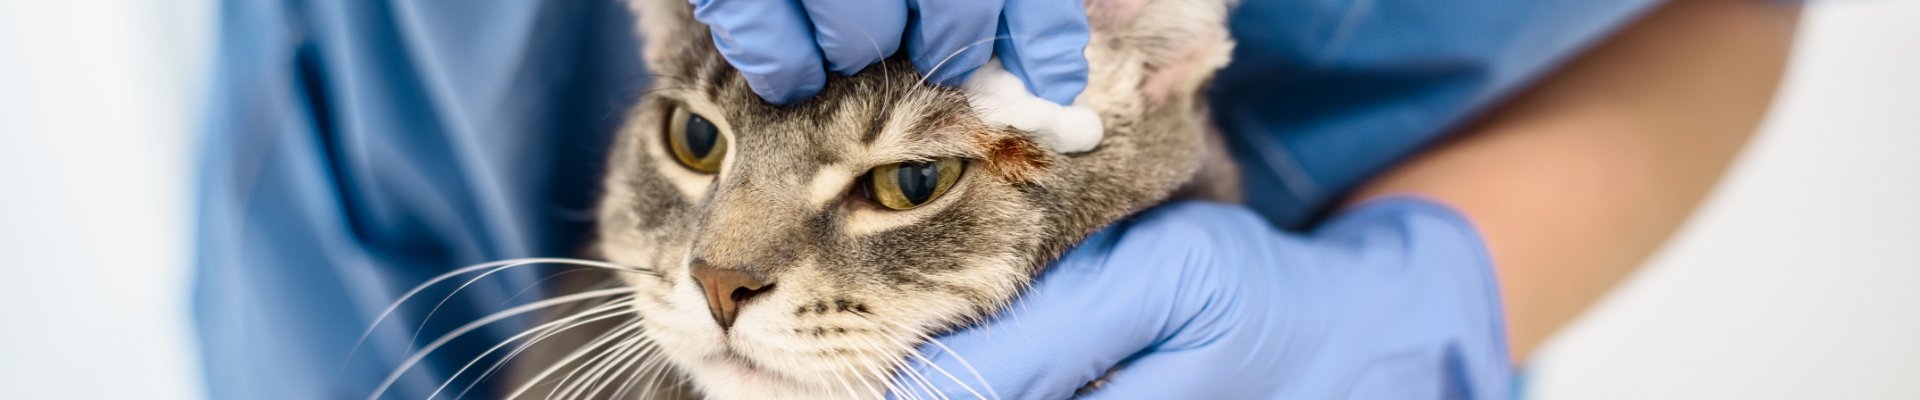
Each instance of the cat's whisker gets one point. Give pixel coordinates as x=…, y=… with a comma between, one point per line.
x=634, y=363
x=883, y=376
x=651, y=369
x=852, y=373
x=565, y=387
x=963, y=364
x=629, y=374
x=667, y=377
x=894, y=367
x=552, y=332
x=536, y=284
x=544, y=330
x=881, y=54
x=443, y=303
x=919, y=379
x=489, y=319
x=962, y=49
x=906, y=367
x=664, y=376
x=608, y=376
x=606, y=338
x=501, y=264
x=591, y=380
x=841, y=379
x=901, y=366
x=529, y=344
x=943, y=371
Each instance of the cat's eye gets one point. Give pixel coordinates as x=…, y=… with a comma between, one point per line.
x=911, y=184
x=695, y=141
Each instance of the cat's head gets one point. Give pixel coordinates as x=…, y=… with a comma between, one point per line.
x=806, y=249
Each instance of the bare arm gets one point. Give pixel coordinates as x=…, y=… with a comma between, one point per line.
x=1578, y=180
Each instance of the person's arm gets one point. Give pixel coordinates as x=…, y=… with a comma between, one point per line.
x=1575, y=182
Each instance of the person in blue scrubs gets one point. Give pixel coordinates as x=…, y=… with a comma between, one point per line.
x=356, y=149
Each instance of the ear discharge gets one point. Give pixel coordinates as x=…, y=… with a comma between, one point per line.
x=695, y=141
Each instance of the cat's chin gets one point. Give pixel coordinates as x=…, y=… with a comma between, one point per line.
x=730, y=377
x=725, y=371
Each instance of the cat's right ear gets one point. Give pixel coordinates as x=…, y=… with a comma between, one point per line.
x=673, y=43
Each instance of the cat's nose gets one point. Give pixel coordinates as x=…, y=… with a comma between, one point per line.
x=727, y=289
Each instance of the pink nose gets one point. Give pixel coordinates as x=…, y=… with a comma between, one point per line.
x=727, y=289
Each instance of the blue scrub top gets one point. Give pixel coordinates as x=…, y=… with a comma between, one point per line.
x=357, y=148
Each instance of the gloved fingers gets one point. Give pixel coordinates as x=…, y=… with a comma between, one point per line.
x=1045, y=44
x=1063, y=332
x=770, y=42
x=951, y=38
x=1143, y=284
x=854, y=35
x=1230, y=370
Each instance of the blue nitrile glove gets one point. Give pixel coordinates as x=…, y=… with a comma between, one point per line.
x=1393, y=300
x=781, y=45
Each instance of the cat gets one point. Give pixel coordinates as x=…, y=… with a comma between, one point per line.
x=805, y=251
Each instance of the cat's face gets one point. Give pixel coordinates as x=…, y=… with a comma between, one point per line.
x=877, y=212
x=806, y=250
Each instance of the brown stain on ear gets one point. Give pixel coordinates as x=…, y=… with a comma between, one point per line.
x=1013, y=157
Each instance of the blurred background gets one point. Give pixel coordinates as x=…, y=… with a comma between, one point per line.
x=1799, y=278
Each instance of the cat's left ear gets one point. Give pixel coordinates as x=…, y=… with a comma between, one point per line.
x=1144, y=53
x=673, y=43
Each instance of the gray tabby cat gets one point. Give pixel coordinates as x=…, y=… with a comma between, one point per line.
x=806, y=251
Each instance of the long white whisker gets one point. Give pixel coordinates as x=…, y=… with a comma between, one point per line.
x=919, y=379
x=884, y=375
x=529, y=344
x=564, y=387
x=885, y=71
x=514, y=263
x=606, y=377
x=605, y=338
x=842, y=379
x=852, y=367
x=544, y=330
x=943, y=371
x=471, y=326
x=900, y=367
x=963, y=364
x=592, y=366
x=963, y=49
x=443, y=302
x=537, y=283
x=645, y=367
x=663, y=375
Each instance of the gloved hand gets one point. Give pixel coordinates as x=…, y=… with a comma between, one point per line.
x=780, y=45
x=1393, y=300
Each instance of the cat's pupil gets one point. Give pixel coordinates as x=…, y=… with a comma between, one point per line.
x=701, y=135
x=918, y=180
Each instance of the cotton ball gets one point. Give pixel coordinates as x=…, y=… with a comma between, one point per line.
x=1077, y=129
x=1001, y=98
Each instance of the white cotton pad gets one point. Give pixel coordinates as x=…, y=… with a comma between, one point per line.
x=1001, y=98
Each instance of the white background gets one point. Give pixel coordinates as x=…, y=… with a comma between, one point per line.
x=1799, y=278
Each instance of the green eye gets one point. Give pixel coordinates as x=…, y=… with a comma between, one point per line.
x=695, y=141
x=907, y=185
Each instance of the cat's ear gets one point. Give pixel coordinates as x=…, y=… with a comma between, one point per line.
x=1144, y=53
x=672, y=41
